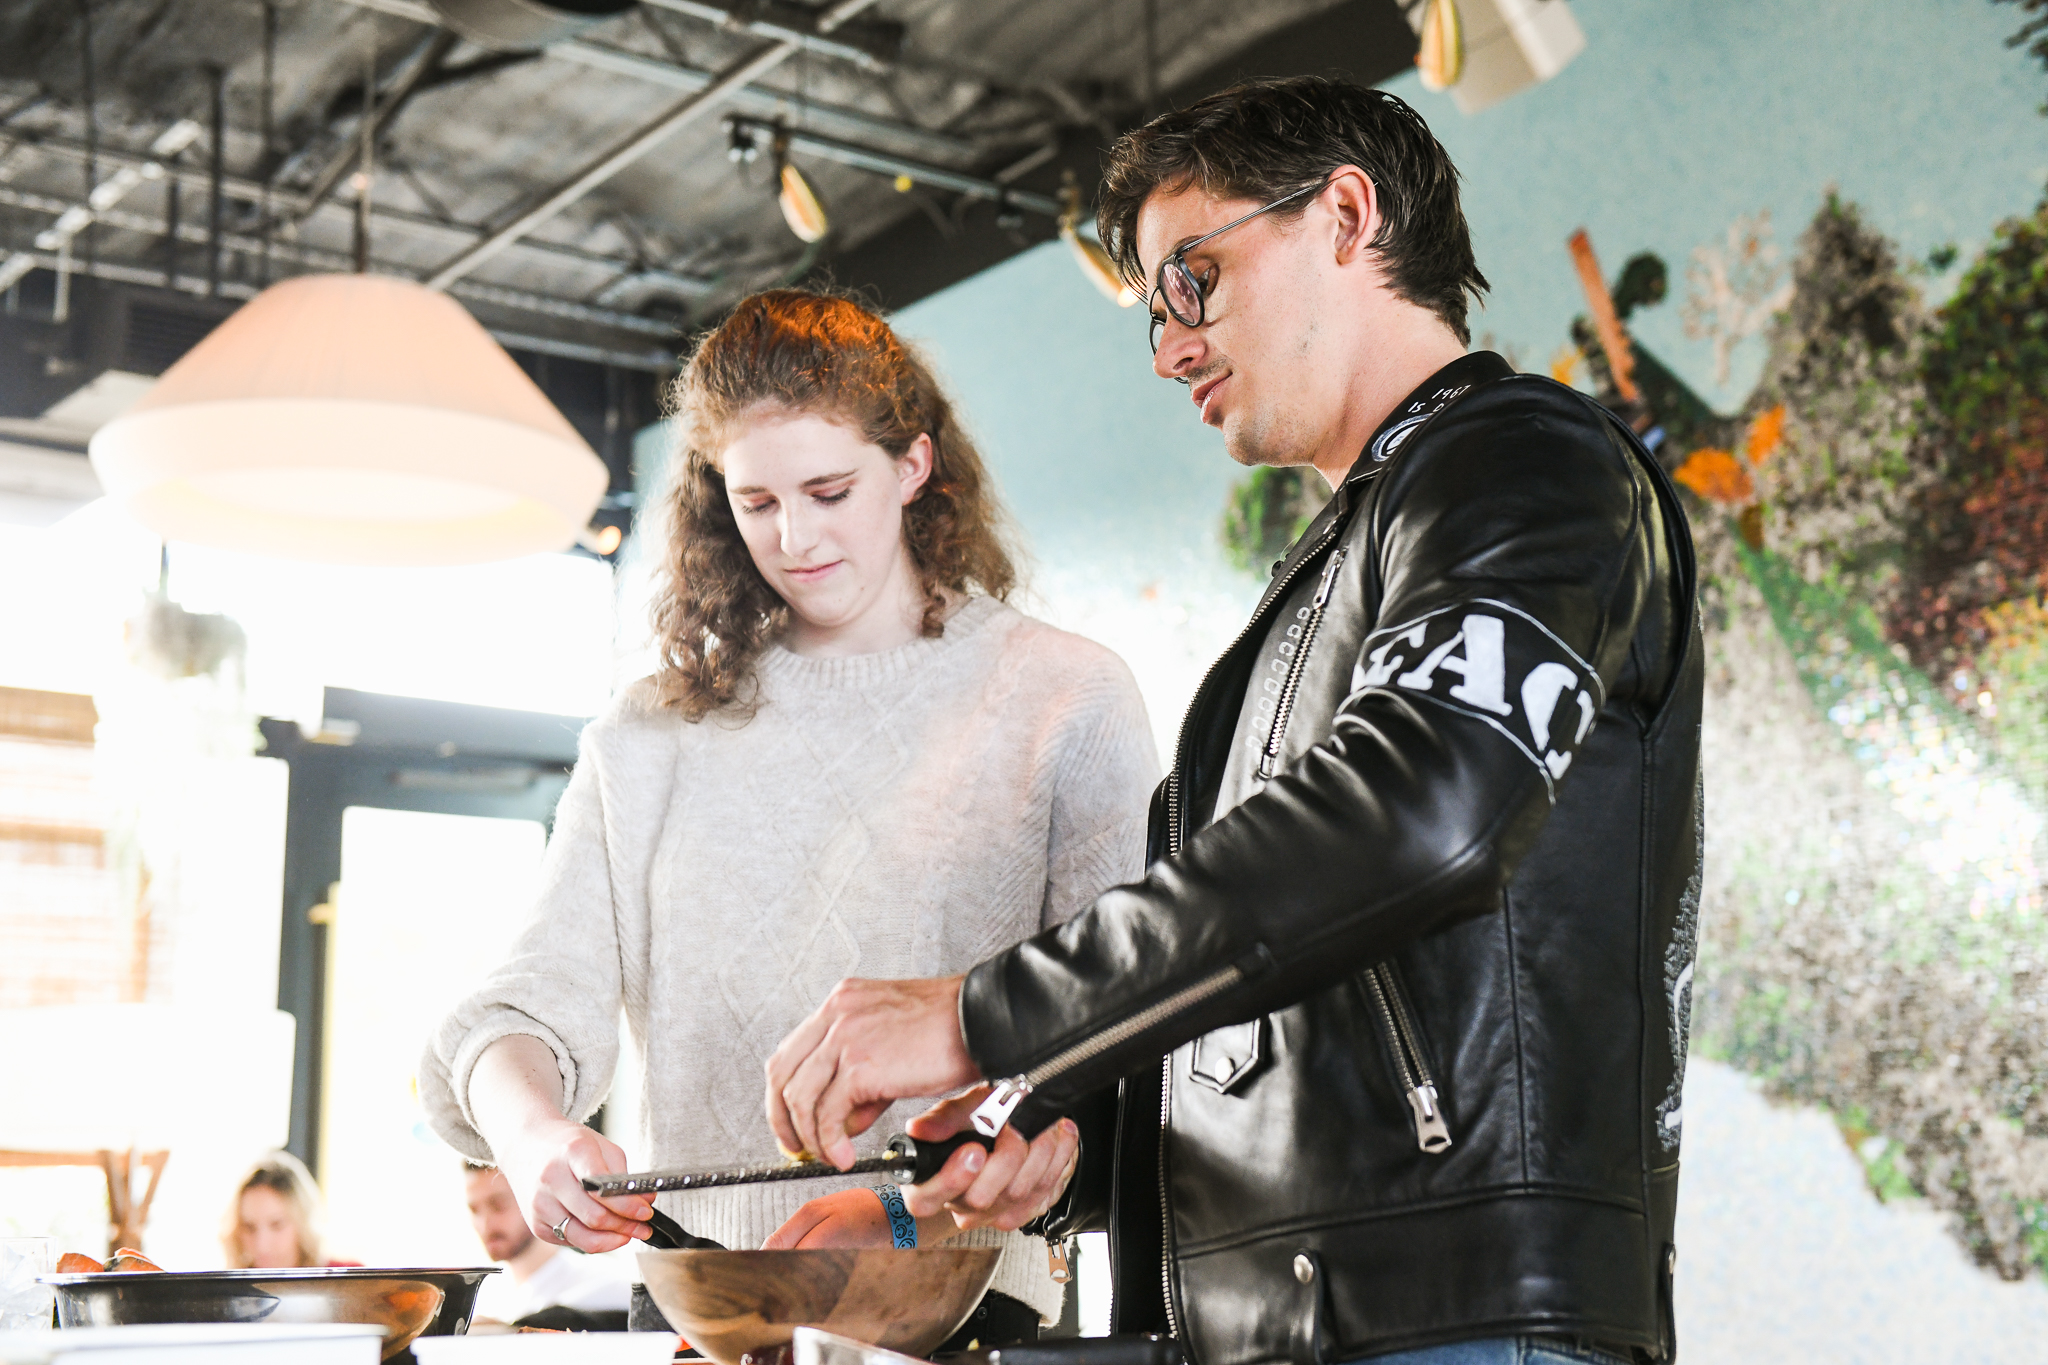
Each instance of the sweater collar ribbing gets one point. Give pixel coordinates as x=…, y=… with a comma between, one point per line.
x=858, y=670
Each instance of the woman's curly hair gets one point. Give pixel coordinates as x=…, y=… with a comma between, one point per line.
x=795, y=351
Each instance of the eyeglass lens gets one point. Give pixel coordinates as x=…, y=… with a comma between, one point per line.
x=1183, y=293
x=1183, y=297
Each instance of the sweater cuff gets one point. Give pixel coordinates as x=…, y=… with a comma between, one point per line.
x=504, y=1023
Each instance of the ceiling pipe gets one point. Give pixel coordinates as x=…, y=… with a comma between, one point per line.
x=675, y=76
x=788, y=22
x=735, y=76
x=216, y=194
x=401, y=92
x=383, y=217
x=881, y=163
x=541, y=305
x=655, y=360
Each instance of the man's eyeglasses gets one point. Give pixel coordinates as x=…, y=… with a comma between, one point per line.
x=1184, y=295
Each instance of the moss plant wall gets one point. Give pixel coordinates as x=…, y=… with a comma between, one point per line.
x=1876, y=933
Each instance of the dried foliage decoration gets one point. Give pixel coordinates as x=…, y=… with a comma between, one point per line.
x=1732, y=290
x=1875, y=931
x=1854, y=444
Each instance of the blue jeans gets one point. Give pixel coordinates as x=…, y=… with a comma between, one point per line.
x=1499, y=1351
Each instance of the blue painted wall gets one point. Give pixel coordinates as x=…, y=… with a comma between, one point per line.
x=1683, y=114
x=1680, y=116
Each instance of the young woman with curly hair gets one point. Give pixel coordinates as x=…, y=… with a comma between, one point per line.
x=854, y=759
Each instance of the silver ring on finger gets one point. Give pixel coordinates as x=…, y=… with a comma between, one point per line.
x=561, y=1229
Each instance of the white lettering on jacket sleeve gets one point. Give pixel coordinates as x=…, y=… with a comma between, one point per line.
x=1474, y=657
x=1383, y=664
x=1483, y=667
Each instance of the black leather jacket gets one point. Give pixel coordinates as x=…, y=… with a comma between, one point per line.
x=1418, y=930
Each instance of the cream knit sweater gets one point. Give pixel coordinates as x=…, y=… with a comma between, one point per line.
x=901, y=814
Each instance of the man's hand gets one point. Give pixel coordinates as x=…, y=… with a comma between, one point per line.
x=870, y=1044
x=1004, y=1188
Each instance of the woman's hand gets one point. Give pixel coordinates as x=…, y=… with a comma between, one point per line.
x=851, y=1218
x=545, y=1156
x=545, y=1166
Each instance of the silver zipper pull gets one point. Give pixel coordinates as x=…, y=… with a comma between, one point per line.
x=1061, y=1268
x=994, y=1112
x=1329, y=577
x=1432, y=1135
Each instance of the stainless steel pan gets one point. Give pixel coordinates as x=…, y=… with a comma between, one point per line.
x=406, y=1302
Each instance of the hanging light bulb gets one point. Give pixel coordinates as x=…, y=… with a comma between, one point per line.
x=352, y=419
x=1088, y=253
x=801, y=208
x=601, y=540
x=1441, y=56
x=1100, y=270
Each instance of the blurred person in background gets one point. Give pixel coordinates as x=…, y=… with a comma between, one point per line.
x=542, y=1286
x=273, y=1222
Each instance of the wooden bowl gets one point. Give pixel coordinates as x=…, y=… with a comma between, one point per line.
x=727, y=1303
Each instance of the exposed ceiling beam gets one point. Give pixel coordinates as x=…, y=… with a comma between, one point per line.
x=251, y=191
x=737, y=73
x=655, y=360
x=73, y=218
x=871, y=47
x=518, y=299
x=407, y=85
x=827, y=118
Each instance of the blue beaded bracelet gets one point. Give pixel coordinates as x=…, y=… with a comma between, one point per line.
x=902, y=1227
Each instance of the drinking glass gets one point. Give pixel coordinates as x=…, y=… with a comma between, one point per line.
x=24, y=1304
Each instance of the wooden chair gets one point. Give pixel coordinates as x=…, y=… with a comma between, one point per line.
x=126, y=1215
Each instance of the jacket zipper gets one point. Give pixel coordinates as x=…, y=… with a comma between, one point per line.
x=1165, y=1208
x=1174, y=833
x=1432, y=1134
x=1270, y=759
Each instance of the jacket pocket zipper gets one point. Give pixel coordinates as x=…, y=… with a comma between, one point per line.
x=1432, y=1134
x=1269, y=761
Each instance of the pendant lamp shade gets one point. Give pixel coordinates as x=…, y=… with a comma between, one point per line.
x=352, y=419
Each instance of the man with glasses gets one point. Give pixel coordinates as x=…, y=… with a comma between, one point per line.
x=1384, y=1056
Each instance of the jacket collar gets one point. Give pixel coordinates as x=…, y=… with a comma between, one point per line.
x=1429, y=398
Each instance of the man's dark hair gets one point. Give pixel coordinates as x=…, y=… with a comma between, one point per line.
x=1265, y=139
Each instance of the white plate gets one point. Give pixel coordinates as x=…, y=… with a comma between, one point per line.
x=191, y=1343
x=549, y=1348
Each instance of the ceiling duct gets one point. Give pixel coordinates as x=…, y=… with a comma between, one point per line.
x=133, y=329
x=522, y=25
